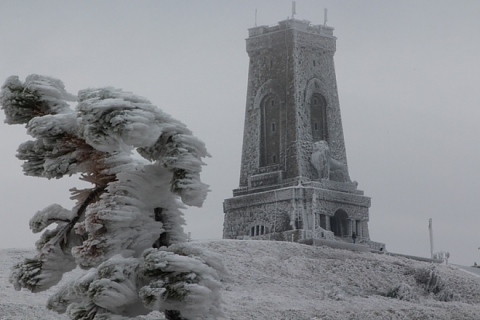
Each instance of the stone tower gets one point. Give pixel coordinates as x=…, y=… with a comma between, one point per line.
x=294, y=181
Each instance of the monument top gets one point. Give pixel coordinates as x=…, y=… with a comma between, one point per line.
x=300, y=25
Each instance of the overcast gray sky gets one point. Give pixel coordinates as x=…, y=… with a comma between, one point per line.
x=408, y=74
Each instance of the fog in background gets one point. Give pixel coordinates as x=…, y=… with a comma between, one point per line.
x=408, y=74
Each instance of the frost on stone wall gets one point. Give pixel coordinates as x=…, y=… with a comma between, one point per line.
x=133, y=203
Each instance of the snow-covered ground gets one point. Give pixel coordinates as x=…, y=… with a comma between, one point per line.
x=20, y=305
x=290, y=281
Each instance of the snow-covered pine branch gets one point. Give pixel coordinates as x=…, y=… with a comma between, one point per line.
x=37, y=96
x=132, y=206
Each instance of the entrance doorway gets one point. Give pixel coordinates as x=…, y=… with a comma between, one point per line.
x=339, y=224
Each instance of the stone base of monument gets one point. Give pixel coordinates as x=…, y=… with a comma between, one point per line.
x=341, y=245
x=320, y=237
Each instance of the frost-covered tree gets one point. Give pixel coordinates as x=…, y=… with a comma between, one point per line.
x=126, y=230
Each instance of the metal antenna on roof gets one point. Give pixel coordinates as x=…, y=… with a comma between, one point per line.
x=325, y=11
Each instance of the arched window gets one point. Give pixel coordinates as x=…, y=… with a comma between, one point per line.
x=318, y=116
x=270, y=131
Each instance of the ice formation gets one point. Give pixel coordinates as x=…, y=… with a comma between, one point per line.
x=133, y=204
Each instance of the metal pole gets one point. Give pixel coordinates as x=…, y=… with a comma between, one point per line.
x=430, y=228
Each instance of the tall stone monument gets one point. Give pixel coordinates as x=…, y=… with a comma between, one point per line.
x=294, y=180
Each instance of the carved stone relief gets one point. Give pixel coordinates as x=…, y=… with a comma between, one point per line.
x=325, y=165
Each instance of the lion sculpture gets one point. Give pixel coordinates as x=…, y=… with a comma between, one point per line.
x=326, y=166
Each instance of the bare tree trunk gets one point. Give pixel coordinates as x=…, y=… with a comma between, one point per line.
x=173, y=315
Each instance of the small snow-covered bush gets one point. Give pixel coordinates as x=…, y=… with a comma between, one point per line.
x=133, y=205
x=432, y=282
x=402, y=292
x=430, y=278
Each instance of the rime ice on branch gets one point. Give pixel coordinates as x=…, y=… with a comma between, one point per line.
x=133, y=204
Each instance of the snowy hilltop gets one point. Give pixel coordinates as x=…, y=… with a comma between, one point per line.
x=120, y=252
x=290, y=281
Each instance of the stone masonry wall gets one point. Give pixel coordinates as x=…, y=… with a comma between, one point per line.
x=290, y=63
x=315, y=73
x=290, y=208
x=270, y=73
x=274, y=216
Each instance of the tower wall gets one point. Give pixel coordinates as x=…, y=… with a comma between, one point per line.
x=291, y=62
x=294, y=173
x=315, y=74
x=270, y=74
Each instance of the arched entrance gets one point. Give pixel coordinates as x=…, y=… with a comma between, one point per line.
x=339, y=224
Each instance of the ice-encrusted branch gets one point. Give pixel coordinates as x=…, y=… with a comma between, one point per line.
x=178, y=280
x=37, y=96
x=184, y=279
x=54, y=257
